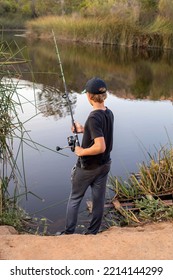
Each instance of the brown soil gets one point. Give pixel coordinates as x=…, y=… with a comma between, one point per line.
x=150, y=242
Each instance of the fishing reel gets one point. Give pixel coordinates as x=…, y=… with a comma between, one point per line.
x=72, y=143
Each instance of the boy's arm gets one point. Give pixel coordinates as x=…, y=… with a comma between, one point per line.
x=98, y=147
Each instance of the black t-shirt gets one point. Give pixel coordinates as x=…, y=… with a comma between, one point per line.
x=98, y=124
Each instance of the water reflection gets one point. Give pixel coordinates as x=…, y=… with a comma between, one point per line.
x=130, y=73
x=142, y=86
x=52, y=102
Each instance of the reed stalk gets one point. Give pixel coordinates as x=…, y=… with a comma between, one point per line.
x=13, y=129
x=10, y=128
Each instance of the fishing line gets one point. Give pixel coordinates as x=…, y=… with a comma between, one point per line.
x=72, y=140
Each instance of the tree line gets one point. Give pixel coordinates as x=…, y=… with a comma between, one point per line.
x=146, y=10
x=15, y=13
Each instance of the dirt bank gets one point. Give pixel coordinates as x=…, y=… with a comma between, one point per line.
x=152, y=241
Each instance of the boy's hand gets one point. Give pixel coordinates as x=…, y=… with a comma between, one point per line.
x=79, y=128
x=98, y=147
x=79, y=151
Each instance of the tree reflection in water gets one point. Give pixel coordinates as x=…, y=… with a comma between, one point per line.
x=52, y=102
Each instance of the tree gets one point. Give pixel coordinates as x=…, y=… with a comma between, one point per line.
x=71, y=6
x=7, y=6
x=33, y=9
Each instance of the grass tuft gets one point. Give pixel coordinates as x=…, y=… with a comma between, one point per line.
x=146, y=196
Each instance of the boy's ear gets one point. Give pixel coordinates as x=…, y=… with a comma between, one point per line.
x=89, y=98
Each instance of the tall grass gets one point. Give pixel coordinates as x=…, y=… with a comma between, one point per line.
x=161, y=33
x=106, y=30
x=10, y=128
x=88, y=30
x=13, y=184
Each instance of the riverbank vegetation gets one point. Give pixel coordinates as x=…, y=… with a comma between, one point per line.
x=11, y=129
x=146, y=196
x=138, y=23
x=130, y=73
x=13, y=138
x=141, y=23
x=13, y=184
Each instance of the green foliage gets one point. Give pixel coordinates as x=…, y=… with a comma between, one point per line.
x=11, y=176
x=13, y=183
x=124, y=189
x=155, y=178
x=133, y=24
x=149, y=4
x=7, y=7
x=153, y=209
x=142, y=195
x=115, y=8
x=71, y=6
x=8, y=162
x=121, y=8
x=12, y=216
x=153, y=19
x=46, y=7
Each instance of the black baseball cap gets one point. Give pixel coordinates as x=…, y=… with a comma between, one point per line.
x=95, y=86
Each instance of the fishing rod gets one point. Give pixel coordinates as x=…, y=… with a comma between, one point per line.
x=73, y=141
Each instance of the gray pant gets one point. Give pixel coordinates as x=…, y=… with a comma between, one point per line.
x=81, y=179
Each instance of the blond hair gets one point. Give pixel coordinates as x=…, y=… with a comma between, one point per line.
x=98, y=97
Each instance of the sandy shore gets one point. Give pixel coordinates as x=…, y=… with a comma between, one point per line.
x=153, y=241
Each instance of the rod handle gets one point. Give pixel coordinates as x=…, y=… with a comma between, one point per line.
x=77, y=143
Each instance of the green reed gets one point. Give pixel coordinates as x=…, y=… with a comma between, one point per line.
x=12, y=178
x=13, y=185
x=10, y=129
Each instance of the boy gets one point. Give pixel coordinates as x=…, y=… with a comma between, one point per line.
x=94, y=161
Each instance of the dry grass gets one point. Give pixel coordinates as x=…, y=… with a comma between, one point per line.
x=88, y=30
x=107, y=30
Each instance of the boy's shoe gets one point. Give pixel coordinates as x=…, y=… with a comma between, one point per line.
x=58, y=233
x=88, y=233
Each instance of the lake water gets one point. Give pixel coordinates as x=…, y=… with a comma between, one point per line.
x=140, y=96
